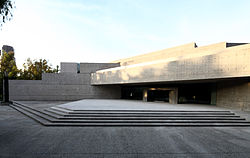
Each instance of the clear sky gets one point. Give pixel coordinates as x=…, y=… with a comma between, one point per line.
x=106, y=30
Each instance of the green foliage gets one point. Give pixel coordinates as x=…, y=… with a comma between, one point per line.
x=6, y=7
x=33, y=69
x=8, y=64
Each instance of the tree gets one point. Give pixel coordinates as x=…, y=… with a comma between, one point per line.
x=6, y=7
x=8, y=64
x=33, y=69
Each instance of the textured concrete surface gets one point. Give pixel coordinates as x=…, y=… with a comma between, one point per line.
x=68, y=67
x=67, y=85
x=93, y=67
x=22, y=137
x=190, y=48
x=197, y=64
x=234, y=94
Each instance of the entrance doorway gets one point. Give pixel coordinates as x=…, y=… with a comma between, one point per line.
x=132, y=93
x=197, y=94
x=158, y=95
x=169, y=95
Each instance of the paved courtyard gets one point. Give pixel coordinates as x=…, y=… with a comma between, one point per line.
x=21, y=136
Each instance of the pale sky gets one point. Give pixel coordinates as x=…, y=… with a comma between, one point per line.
x=106, y=30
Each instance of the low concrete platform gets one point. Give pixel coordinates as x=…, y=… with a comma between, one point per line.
x=111, y=104
x=118, y=104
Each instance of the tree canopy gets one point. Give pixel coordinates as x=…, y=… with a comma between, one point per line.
x=6, y=7
x=33, y=69
x=8, y=64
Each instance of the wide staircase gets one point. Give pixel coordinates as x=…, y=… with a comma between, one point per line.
x=58, y=116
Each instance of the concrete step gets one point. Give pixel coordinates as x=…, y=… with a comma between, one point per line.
x=52, y=114
x=30, y=115
x=137, y=113
x=145, y=118
x=47, y=117
x=142, y=112
x=43, y=118
x=59, y=115
x=34, y=111
x=152, y=124
x=46, y=123
x=66, y=110
x=132, y=114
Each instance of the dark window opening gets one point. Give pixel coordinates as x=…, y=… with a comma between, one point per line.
x=78, y=68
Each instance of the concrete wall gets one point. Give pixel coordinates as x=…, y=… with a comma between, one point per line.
x=234, y=94
x=68, y=67
x=93, y=67
x=67, y=85
x=205, y=64
x=165, y=53
x=182, y=50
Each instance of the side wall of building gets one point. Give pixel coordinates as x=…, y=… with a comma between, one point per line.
x=68, y=85
x=234, y=94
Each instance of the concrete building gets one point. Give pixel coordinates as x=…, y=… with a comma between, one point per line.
x=217, y=74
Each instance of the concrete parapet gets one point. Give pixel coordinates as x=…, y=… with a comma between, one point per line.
x=93, y=67
x=169, y=52
x=182, y=50
x=224, y=63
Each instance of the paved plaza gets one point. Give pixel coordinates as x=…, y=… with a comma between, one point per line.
x=23, y=137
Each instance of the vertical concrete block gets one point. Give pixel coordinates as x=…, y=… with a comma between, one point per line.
x=68, y=67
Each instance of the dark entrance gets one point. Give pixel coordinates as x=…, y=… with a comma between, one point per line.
x=158, y=95
x=181, y=93
x=133, y=93
x=195, y=93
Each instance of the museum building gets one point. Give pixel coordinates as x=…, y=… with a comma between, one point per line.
x=216, y=74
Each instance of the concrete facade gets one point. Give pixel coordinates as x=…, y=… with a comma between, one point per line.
x=223, y=68
x=192, y=64
x=234, y=94
x=67, y=85
x=67, y=67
